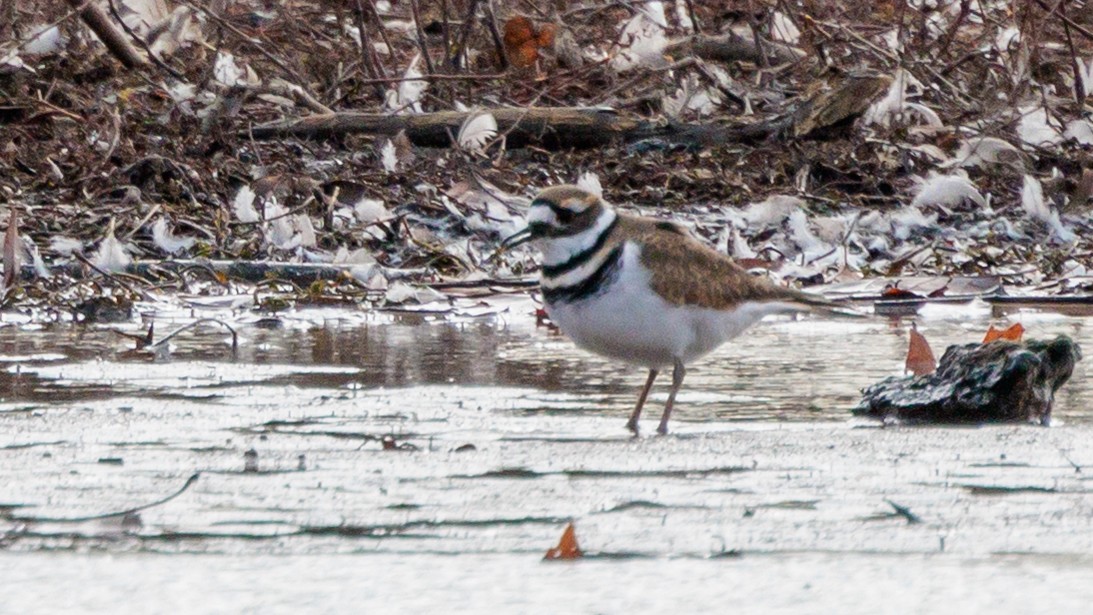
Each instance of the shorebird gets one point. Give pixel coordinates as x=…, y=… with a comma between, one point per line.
x=642, y=290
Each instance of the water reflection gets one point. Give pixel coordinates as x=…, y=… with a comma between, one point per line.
x=781, y=370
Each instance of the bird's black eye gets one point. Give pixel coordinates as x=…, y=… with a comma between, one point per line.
x=564, y=215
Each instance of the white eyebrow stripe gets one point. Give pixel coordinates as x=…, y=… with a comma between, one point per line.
x=557, y=250
x=542, y=214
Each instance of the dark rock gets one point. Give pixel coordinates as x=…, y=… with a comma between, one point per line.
x=979, y=383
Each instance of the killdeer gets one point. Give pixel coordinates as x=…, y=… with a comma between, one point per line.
x=641, y=290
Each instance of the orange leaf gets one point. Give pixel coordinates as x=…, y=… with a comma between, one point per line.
x=545, y=39
x=522, y=41
x=524, y=56
x=1013, y=333
x=518, y=31
x=567, y=547
x=920, y=359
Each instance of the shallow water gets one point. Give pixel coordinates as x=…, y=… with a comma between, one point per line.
x=767, y=496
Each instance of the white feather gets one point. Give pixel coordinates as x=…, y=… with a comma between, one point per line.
x=771, y=211
x=388, y=156
x=929, y=116
x=229, y=73
x=477, y=131
x=590, y=183
x=65, y=246
x=243, y=205
x=30, y=254
x=111, y=255
x=654, y=10
x=370, y=210
x=360, y=256
x=904, y=221
x=1034, y=128
x=1085, y=74
x=982, y=151
x=1008, y=38
x=882, y=111
x=782, y=29
x=642, y=39
x=894, y=104
x=1080, y=130
x=407, y=98
x=401, y=292
x=800, y=233
x=740, y=247
x=44, y=40
x=1032, y=199
x=279, y=230
x=683, y=16
x=305, y=230
x=947, y=190
x=167, y=241
x=691, y=97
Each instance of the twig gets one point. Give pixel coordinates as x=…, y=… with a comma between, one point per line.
x=1070, y=22
x=495, y=34
x=144, y=44
x=257, y=44
x=151, y=212
x=464, y=34
x=421, y=37
x=104, y=29
x=199, y=321
x=434, y=77
x=295, y=210
x=106, y=274
x=367, y=58
x=446, y=33
x=904, y=512
x=1075, y=66
x=383, y=34
x=121, y=513
x=694, y=20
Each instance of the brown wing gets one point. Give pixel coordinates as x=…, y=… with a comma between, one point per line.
x=687, y=272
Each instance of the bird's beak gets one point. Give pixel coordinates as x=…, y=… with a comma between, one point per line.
x=532, y=231
x=519, y=237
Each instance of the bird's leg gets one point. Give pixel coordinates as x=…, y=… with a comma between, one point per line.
x=677, y=379
x=632, y=424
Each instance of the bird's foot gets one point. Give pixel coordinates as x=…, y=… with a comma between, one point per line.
x=662, y=429
x=632, y=425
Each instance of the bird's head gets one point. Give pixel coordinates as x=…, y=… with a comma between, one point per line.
x=559, y=212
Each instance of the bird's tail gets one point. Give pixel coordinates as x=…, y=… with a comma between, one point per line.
x=810, y=302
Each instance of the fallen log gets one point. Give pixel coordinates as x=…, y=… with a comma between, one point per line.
x=558, y=128
x=301, y=274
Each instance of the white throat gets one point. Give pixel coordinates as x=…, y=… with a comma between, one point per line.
x=557, y=250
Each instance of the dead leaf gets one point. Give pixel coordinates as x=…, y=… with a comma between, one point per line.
x=1013, y=334
x=523, y=41
x=895, y=292
x=920, y=359
x=567, y=547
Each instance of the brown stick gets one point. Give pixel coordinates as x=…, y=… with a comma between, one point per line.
x=99, y=23
x=557, y=128
x=553, y=127
x=732, y=47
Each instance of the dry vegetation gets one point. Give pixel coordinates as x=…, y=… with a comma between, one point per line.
x=974, y=161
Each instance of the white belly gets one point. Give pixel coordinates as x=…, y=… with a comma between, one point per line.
x=631, y=323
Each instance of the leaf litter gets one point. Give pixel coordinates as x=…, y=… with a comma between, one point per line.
x=936, y=179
